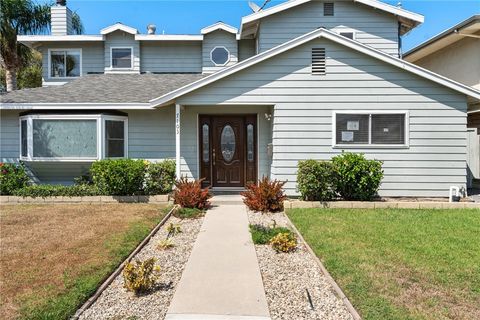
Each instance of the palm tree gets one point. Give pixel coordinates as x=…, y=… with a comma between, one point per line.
x=20, y=17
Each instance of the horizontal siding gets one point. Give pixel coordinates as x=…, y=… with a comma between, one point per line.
x=246, y=49
x=214, y=39
x=121, y=39
x=304, y=104
x=9, y=136
x=373, y=27
x=166, y=56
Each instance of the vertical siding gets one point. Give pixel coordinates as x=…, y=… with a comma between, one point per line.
x=246, y=49
x=171, y=56
x=121, y=39
x=302, y=123
x=214, y=39
x=373, y=27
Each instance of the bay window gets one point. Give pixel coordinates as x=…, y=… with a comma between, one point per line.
x=72, y=137
x=65, y=63
x=370, y=129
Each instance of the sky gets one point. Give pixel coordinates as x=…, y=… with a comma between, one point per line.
x=188, y=17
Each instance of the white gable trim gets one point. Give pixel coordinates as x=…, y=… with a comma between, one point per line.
x=169, y=37
x=319, y=33
x=118, y=26
x=219, y=26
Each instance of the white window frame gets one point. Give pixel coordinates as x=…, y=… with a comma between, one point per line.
x=228, y=60
x=104, y=135
x=49, y=71
x=406, y=145
x=100, y=124
x=131, y=58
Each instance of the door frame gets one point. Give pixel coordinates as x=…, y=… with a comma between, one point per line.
x=256, y=139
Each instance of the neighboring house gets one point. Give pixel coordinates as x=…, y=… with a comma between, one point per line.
x=300, y=80
x=455, y=53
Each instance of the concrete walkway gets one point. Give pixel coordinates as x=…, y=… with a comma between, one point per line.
x=221, y=279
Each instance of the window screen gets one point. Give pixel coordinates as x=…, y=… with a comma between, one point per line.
x=64, y=138
x=23, y=132
x=121, y=58
x=114, y=139
x=388, y=129
x=352, y=128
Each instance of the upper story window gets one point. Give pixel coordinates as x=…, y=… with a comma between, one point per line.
x=65, y=63
x=121, y=58
x=370, y=129
x=328, y=9
x=220, y=56
x=348, y=34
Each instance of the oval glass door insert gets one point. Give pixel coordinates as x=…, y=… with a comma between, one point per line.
x=227, y=143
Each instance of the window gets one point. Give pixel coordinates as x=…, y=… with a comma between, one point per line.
x=121, y=58
x=220, y=56
x=318, y=61
x=328, y=9
x=205, y=143
x=65, y=63
x=370, y=129
x=349, y=35
x=72, y=137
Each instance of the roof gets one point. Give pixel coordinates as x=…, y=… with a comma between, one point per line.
x=219, y=26
x=102, y=89
x=319, y=33
x=408, y=18
x=445, y=38
x=118, y=26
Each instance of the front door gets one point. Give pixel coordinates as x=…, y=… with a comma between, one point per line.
x=227, y=150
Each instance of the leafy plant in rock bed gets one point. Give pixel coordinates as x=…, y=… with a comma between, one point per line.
x=263, y=234
x=267, y=196
x=316, y=180
x=189, y=194
x=140, y=276
x=284, y=242
x=12, y=177
x=188, y=213
x=357, y=177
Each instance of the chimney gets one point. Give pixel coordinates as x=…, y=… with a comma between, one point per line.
x=61, y=19
x=151, y=28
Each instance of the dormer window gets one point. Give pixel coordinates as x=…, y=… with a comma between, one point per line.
x=220, y=56
x=65, y=63
x=121, y=58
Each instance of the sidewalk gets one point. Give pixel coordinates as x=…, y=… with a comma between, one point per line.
x=221, y=279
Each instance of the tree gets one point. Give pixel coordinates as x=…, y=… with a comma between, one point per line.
x=21, y=17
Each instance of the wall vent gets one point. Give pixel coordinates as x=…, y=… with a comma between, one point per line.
x=318, y=61
x=328, y=9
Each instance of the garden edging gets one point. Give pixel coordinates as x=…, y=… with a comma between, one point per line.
x=87, y=199
x=298, y=204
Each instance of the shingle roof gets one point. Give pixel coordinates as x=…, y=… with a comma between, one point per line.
x=104, y=88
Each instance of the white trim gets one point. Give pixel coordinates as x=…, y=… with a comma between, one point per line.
x=178, y=158
x=53, y=83
x=219, y=26
x=319, y=33
x=49, y=58
x=75, y=106
x=111, y=58
x=29, y=40
x=168, y=37
x=336, y=145
x=393, y=10
x=118, y=26
x=220, y=64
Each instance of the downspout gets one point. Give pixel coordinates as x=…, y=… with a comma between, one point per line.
x=400, y=55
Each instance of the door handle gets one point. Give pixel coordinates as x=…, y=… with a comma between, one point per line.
x=213, y=156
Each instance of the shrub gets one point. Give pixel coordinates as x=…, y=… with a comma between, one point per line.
x=165, y=244
x=263, y=235
x=12, y=177
x=140, y=276
x=49, y=190
x=189, y=194
x=267, y=196
x=119, y=177
x=173, y=229
x=188, y=213
x=357, y=177
x=159, y=177
x=316, y=180
x=284, y=242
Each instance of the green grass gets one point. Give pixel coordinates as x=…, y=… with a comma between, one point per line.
x=78, y=289
x=263, y=235
x=188, y=213
x=400, y=264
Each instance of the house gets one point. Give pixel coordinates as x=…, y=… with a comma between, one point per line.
x=455, y=53
x=299, y=80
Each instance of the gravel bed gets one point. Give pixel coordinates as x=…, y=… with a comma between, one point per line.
x=117, y=303
x=286, y=276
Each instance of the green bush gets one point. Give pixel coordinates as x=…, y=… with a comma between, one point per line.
x=159, y=177
x=12, y=177
x=49, y=190
x=316, y=180
x=357, y=177
x=140, y=276
x=188, y=213
x=263, y=235
x=119, y=177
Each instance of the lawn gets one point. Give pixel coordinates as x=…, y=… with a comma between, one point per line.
x=400, y=264
x=53, y=257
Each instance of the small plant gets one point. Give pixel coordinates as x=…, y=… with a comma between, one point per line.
x=140, y=276
x=284, y=242
x=173, y=229
x=357, y=177
x=267, y=196
x=188, y=213
x=12, y=177
x=189, y=194
x=316, y=180
x=263, y=235
x=165, y=244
